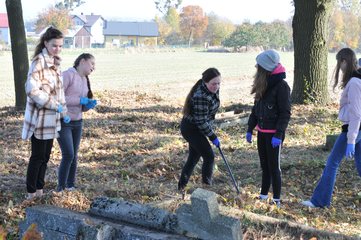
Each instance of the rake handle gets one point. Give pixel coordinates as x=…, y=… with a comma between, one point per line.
x=229, y=170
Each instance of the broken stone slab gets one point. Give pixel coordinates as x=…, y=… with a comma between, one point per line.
x=51, y=222
x=139, y=214
x=204, y=206
x=225, y=227
x=213, y=225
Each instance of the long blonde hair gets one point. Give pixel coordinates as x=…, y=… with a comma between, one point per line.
x=259, y=85
x=348, y=55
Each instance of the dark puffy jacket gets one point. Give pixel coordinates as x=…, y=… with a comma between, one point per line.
x=273, y=110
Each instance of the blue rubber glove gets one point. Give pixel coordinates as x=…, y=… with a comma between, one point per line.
x=276, y=142
x=84, y=100
x=60, y=108
x=249, y=137
x=91, y=104
x=350, y=150
x=216, y=142
x=66, y=119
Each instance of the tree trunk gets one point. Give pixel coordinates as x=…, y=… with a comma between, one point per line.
x=190, y=38
x=19, y=49
x=310, y=34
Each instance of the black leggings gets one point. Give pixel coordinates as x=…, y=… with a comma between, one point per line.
x=198, y=147
x=40, y=155
x=270, y=164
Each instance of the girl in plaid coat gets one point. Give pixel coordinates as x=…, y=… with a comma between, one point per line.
x=199, y=111
x=45, y=106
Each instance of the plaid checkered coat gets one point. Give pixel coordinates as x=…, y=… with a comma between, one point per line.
x=44, y=90
x=203, y=110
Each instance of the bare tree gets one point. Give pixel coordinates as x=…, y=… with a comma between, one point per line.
x=163, y=6
x=69, y=4
x=18, y=49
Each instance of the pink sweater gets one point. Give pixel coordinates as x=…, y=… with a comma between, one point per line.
x=75, y=87
x=350, y=108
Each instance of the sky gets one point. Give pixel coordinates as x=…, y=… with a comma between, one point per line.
x=237, y=11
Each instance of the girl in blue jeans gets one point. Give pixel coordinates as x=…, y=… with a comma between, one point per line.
x=78, y=97
x=348, y=143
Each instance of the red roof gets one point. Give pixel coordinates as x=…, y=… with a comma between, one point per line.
x=4, y=23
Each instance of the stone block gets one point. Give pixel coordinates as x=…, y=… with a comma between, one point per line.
x=99, y=232
x=185, y=221
x=54, y=220
x=215, y=227
x=85, y=227
x=204, y=206
x=226, y=228
x=143, y=215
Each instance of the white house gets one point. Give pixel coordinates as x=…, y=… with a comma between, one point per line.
x=94, y=24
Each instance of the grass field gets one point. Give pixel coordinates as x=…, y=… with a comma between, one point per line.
x=161, y=72
x=169, y=73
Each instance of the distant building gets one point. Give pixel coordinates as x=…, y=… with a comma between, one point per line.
x=92, y=28
x=79, y=37
x=4, y=29
x=94, y=31
x=130, y=33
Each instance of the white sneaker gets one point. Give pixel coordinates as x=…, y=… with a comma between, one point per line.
x=71, y=189
x=30, y=196
x=39, y=193
x=308, y=203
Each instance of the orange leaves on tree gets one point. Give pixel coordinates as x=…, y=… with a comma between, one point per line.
x=193, y=22
x=58, y=18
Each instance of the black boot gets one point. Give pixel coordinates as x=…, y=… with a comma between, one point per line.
x=183, y=180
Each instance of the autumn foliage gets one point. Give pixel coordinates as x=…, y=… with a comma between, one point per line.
x=52, y=16
x=193, y=22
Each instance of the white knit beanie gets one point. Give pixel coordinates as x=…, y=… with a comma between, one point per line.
x=268, y=60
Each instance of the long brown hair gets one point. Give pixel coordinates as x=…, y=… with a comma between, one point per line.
x=259, y=85
x=207, y=76
x=50, y=33
x=84, y=56
x=348, y=55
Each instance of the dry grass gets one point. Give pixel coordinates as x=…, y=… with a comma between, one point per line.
x=131, y=148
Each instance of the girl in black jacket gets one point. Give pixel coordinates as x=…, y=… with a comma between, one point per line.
x=270, y=116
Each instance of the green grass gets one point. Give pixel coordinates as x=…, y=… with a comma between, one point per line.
x=157, y=71
x=117, y=70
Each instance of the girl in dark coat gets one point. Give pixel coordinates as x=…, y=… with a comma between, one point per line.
x=199, y=112
x=270, y=116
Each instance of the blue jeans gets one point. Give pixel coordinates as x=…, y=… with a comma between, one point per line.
x=323, y=192
x=69, y=140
